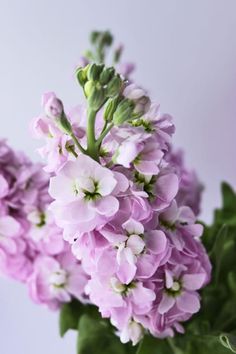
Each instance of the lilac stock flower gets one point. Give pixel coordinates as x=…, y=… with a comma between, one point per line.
x=31, y=244
x=130, y=220
x=55, y=280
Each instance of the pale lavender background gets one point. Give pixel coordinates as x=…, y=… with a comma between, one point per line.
x=186, y=55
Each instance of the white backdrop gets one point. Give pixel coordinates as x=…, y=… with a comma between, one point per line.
x=186, y=55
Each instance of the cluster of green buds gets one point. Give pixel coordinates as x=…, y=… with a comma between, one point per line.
x=99, y=84
x=101, y=40
x=103, y=87
x=121, y=102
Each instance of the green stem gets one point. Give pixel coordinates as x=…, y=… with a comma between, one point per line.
x=73, y=137
x=175, y=350
x=71, y=150
x=104, y=133
x=92, y=149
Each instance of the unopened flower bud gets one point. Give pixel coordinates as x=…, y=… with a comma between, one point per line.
x=88, y=87
x=81, y=74
x=110, y=108
x=94, y=71
x=106, y=75
x=118, y=52
x=139, y=97
x=114, y=86
x=123, y=112
x=96, y=98
x=94, y=36
x=133, y=332
x=142, y=106
x=64, y=124
x=54, y=109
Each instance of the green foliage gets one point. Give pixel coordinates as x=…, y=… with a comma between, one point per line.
x=154, y=346
x=71, y=313
x=229, y=341
x=95, y=336
x=217, y=318
x=212, y=330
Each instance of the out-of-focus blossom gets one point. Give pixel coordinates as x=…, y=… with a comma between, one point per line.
x=32, y=249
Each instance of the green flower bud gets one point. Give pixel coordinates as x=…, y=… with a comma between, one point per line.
x=110, y=108
x=94, y=36
x=106, y=75
x=123, y=112
x=88, y=87
x=63, y=124
x=81, y=75
x=96, y=98
x=94, y=71
x=114, y=86
x=106, y=38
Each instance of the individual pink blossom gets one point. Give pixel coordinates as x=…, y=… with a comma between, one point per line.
x=56, y=280
x=89, y=195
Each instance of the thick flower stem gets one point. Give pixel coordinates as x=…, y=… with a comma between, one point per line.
x=92, y=149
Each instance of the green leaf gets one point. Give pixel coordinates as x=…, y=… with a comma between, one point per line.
x=229, y=197
x=228, y=341
x=95, y=337
x=220, y=241
x=69, y=316
x=71, y=312
x=232, y=282
x=204, y=345
x=152, y=345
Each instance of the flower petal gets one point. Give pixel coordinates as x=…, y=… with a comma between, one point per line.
x=167, y=302
x=193, y=281
x=188, y=302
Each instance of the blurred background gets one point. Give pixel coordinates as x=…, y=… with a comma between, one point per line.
x=186, y=57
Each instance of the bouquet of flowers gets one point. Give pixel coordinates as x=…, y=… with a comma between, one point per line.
x=107, y=230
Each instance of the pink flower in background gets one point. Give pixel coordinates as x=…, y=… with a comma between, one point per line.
x=190, y=188
x=31, y=244
x=56, y=280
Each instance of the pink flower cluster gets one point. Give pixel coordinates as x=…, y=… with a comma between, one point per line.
x=129, y=220
x=32, y=249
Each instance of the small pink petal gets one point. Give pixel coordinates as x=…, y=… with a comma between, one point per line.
x=188, y=302
x=193, y=281
x=167, y=302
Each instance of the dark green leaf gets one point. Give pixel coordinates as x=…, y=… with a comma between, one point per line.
x=69, y=316
x=229, y=197
x=95, y=337
x=232, y=282
x=71, y=313
x=152, y=345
